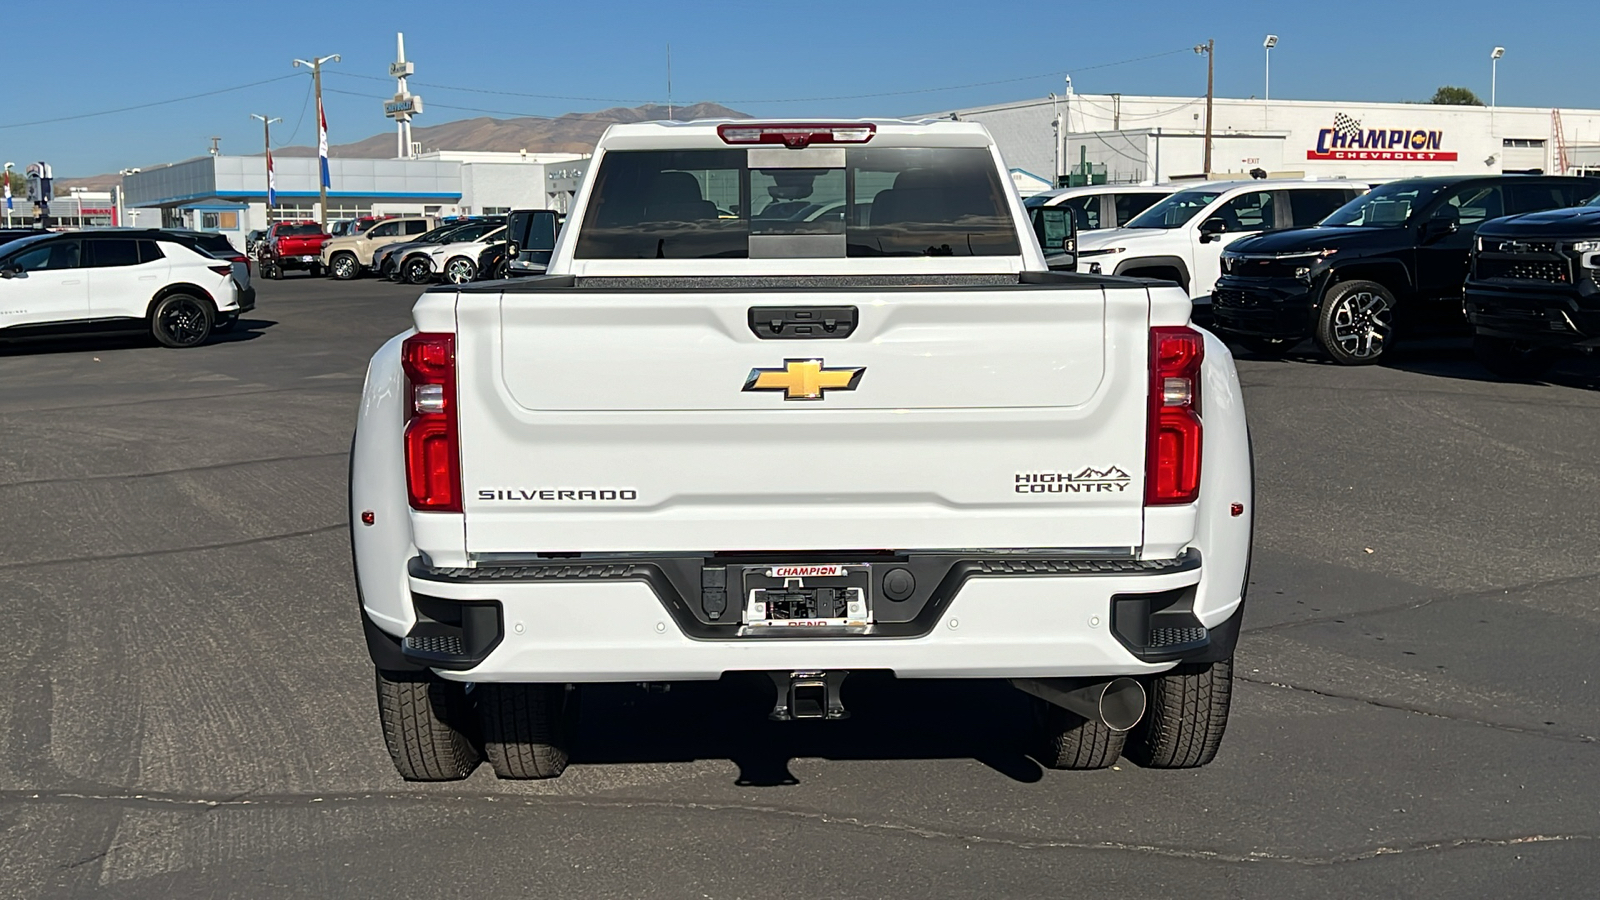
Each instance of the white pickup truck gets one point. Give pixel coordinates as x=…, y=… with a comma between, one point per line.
x=719, y=437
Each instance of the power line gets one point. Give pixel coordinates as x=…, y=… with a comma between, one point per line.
x=447, y=87
x=444, y=104
x=123, y=109
x=932, y=90
x=959, y=87
x=303, y=104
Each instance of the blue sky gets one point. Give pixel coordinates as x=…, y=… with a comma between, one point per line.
x=105, y=55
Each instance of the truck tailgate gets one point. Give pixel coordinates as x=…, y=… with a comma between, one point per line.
x=660, y=421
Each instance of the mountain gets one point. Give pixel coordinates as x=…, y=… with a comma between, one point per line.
x=571, y=133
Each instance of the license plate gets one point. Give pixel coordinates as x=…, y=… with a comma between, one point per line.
x=825, y=596
x=309, y=258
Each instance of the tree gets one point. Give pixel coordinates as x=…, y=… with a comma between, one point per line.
x=1450, y=95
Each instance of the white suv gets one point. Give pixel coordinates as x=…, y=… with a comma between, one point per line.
x=54, y=285
x=1102, y=205
x=1181, y=237
x=457, y=262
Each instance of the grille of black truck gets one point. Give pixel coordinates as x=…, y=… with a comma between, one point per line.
x=1548, y=271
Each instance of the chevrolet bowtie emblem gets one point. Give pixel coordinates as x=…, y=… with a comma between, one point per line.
x=804, y=379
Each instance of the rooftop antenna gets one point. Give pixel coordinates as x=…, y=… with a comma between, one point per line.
x=214, y=142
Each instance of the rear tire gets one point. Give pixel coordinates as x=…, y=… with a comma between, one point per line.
x=1511, y=359
x=428, y=726
x=1187, y=714
x=1066, y=740
x=181, y=320
x=527, y=728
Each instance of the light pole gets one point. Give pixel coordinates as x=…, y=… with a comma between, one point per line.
x=266, y=145
x=1268, y=44
x=315, y=65
x=1494, y=73
x=1207, y=49
x=8, y=193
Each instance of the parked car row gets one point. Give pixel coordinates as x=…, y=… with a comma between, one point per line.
x=1396, y=262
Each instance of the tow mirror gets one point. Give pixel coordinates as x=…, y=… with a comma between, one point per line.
x=512, y=249
x=1057, y=232
x=1212, y=230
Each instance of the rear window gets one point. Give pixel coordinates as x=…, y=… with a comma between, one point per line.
x=109, y=252
x=856, y=202
x=299, y=230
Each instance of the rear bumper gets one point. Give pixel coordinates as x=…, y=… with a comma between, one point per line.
x=619, y=622
x=247, y=299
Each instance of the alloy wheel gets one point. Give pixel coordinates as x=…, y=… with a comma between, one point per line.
x=1361, y=324
x=459, y=271
x=183, y=321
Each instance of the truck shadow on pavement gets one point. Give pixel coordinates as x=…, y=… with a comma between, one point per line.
x=986, y=721
x=1448, y=358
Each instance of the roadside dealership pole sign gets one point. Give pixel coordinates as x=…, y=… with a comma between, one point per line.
x=1347, y=140
x=39, y=189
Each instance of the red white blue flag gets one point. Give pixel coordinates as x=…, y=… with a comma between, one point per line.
x=272, y=182
x=322, y=143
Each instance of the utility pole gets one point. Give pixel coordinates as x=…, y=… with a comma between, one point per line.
x=669, y=81
x=1207, y=48
x=315, y=65
x=266, y=145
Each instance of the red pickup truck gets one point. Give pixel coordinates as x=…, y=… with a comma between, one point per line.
x=292, y=245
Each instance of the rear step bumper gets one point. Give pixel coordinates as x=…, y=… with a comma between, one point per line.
x=983, y=618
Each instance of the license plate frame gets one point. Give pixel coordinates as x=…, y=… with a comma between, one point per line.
x=790, y=598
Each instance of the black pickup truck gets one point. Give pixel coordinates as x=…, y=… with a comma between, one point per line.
x=1391, y=262
x=1534, y=289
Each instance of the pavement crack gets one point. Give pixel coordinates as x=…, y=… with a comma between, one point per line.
x=204, y=803
x=1566, y=737
x=122, y=476
x=196, y=548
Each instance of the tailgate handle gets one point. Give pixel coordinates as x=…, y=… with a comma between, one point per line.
x=802, y=322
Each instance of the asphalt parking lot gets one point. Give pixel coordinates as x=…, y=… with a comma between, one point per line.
x=189, y=707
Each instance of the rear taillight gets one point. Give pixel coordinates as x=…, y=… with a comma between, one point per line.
x=226, y=269
x=798, y=135
x=433, y=446
x=1172, y=454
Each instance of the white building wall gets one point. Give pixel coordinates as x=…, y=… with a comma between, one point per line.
x=502, y=185
x=1456, y=139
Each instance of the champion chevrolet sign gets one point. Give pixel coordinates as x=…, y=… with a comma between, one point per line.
x=1348, y=140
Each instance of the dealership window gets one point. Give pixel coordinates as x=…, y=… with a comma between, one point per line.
x=496, y=210
x=1522, y=142
x=348, y=210
x=294, y=212
x=219, y=221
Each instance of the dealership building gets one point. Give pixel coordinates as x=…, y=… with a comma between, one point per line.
x=1090, y=138
x=229, y=193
